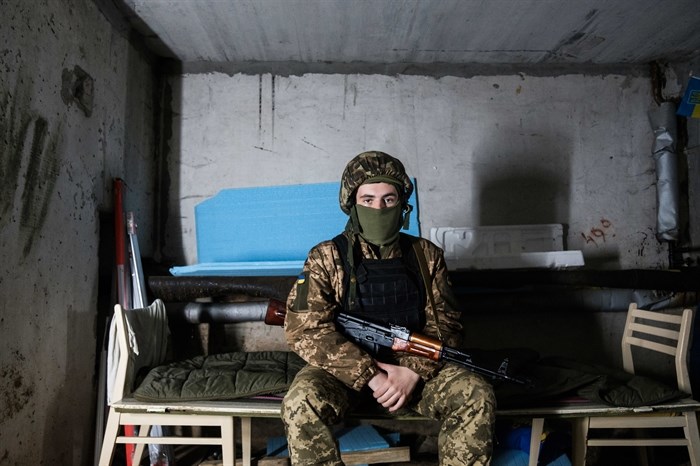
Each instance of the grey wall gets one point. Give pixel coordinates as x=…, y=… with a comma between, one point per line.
x=570, y=149
x=57, y=163
x=510, y=149
x=691, y=157
x=573, y=149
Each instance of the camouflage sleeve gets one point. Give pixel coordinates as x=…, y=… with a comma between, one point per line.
x=445, y=315
x=309, y=327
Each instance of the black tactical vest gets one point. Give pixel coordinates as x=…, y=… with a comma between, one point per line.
x=389, y=291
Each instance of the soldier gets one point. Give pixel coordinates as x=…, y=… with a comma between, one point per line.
x=374, y=271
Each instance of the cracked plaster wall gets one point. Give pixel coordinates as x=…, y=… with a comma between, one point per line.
x=75, y=112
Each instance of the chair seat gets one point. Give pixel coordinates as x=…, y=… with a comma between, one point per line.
x=246, y=407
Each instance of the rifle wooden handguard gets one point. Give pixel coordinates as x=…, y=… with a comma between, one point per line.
x=419, y=345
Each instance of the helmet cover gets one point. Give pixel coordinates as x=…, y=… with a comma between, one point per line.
x=377, y=167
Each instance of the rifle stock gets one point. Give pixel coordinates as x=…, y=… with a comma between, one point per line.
x=276, y=312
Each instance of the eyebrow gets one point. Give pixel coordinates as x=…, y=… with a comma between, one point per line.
x=372, y=196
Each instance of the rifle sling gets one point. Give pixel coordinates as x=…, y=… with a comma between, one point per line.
x=428, y=289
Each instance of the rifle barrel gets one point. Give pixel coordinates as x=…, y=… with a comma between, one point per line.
x=465, y=359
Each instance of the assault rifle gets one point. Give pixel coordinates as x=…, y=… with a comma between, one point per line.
x=400, y=339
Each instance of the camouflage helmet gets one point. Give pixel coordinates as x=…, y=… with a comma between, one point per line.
x=373, y=165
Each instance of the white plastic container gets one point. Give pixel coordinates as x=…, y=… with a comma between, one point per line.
x=508, y=246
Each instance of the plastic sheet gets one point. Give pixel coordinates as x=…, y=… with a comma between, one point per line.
x=663, y=122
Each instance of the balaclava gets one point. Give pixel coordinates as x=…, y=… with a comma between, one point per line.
x=380, y=226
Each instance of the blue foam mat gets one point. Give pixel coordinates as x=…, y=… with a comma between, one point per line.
x=240, y=269
x=357, y=438
x=267, y=230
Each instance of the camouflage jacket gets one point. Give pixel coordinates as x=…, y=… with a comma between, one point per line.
x=317, y=296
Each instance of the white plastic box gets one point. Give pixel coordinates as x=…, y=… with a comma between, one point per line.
x=508, y=246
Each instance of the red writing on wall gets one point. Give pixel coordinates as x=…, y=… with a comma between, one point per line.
x=598, y=232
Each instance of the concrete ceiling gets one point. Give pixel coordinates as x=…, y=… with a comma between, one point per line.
x=420, y=32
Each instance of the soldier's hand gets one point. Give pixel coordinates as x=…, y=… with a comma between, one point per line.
x=393, y=387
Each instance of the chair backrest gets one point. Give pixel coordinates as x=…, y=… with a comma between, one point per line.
x=123, y=345
x=142, y=339
x=661, y=332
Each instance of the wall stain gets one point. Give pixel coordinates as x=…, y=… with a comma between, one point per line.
x=272, y=100
x=260, y=109
x=349, y=88
x=13, y=128
x=78, y=87
x=16, y=390
x=42, y=173
x=37, y=177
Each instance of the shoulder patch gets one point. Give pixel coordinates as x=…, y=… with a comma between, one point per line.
x=301, y=300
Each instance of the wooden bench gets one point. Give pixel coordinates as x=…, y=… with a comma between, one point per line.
x=249, y=409
x=584, y=416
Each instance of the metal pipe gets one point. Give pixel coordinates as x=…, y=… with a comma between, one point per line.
x=186, y=289
x=663, y=122
x=210, y=313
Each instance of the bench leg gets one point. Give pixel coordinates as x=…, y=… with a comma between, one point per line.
x=692, y=434
x=535, y=440
x=110, y=438
x=579, y=440
x=144, y=431
x=228, y=441
x=246, y=440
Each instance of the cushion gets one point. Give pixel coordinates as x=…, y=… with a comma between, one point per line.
x=223, y=376
x=554, y=377
x=615, y=387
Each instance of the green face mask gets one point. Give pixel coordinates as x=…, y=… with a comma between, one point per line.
x=379, y=226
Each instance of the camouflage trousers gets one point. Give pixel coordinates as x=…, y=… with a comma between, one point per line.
x=463, y=402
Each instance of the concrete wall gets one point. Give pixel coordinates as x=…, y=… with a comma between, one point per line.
x=691, y=157
x=486, y=150
x=59, y=155
x=516, y=149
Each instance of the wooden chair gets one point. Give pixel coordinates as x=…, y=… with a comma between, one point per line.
x=123, y=411
x=649, y=331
